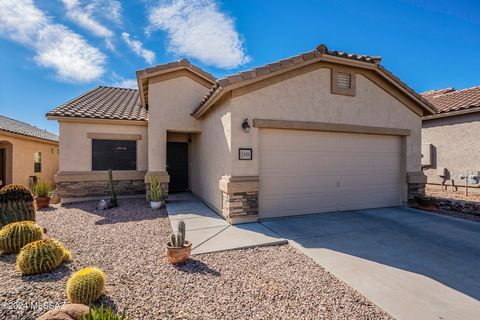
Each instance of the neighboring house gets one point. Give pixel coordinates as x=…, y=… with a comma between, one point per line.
x=26, y=151
x=321, y=131
x=451, y=145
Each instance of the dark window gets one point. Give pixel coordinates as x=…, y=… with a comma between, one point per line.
x=37, y=162
x=114, y=154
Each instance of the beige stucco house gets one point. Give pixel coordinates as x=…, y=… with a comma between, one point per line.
x=26, y=151
x=451, y=155
x=321, y=131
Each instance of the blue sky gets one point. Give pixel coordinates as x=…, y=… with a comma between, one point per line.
x=53, y=50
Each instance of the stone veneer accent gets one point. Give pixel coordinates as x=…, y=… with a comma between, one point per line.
x=416, y=182
x=239, y=199
x=91, y=189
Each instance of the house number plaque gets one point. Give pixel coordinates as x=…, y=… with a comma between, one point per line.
x=244, y=154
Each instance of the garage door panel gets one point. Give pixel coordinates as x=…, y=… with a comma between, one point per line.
x=309, y=172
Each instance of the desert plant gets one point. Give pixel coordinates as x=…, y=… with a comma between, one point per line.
x=103, y=314
x=177, y=239
x=16, y=204
x=85, y=286
x=16, y=235
x=113, y=200
x=42, y=189
x=42, y=256
x=155, y=190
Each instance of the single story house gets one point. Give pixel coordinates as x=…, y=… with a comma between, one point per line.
x=25, y=152
x=317, y=132
x=451, y=146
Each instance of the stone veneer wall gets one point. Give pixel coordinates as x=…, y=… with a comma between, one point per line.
x=416, y=182
x=90, y=189
x=240, y=207
x=239, y=199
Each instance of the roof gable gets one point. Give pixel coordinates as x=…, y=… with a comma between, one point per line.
x=321, y=53
x=184, y=65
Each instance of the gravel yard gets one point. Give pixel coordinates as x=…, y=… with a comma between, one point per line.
x=128, y=242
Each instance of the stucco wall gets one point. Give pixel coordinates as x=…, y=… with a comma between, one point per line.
x=170, y=104
x=211, y=155
x=20, y=159
x=455, y=145
x=308, y=98
x=76, y=147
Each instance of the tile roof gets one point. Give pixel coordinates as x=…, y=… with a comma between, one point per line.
x=303, y=57
x=104, y=103
x=449, y=99
x=175, y=64
x=25, y=129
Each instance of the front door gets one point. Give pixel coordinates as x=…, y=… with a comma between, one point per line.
x=177, y=166
x=3, y=168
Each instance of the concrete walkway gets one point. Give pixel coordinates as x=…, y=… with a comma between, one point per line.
x=413, y=264
x=209, y=232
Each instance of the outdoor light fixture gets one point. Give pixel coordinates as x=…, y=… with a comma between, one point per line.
x=246, y=126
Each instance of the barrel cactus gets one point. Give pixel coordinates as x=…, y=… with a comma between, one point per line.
x=16, y=204
x=85, y=286
x=15, y=235
x=42, y=256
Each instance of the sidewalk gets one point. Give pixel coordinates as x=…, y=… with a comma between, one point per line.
x=209, y=232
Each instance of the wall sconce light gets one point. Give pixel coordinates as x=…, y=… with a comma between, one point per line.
x=246, y=126
x=189, y=140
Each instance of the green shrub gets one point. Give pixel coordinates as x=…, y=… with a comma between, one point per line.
x=16, y=204
x=42, y=189
x=103, y=314
x=85, y=286
x=16, y=235
x=42, y=256
x=155, y=190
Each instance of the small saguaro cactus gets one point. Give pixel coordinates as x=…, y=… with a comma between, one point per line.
x=155, y=190
x=14, y=236
x=16, y=204
x=177, y=239
x=42, y=256
x=112, y=189
x=85, y=286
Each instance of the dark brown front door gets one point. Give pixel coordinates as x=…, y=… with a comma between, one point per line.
x=177, y=166
x=3, y=167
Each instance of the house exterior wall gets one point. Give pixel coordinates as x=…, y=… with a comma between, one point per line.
x=170, y=104
x=76, y=146
x=211, y=155
x=455, y=147
x=308, y=97
x=20, y=158
x=76, y=181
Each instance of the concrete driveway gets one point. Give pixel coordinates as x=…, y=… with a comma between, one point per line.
x=413, y=264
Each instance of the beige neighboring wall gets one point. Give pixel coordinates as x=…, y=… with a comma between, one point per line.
x=20, y=158
x=455, y=146
x=76, y=142
x=170, y=105
x=308, y=97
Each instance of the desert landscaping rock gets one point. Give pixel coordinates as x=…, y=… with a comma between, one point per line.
x=128, y=243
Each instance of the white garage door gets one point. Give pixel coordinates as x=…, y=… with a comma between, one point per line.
x=311, y=172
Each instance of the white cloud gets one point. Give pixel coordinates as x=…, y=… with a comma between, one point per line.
x=127, y=83
x=55, y=45
x=87, y=13
x=137, y=47
x=198, y=29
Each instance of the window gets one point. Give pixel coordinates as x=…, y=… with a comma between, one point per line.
x=343, y=81
x=37, y=162
x=114, y=154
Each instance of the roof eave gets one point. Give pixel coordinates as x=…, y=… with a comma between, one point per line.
x=452, y=113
